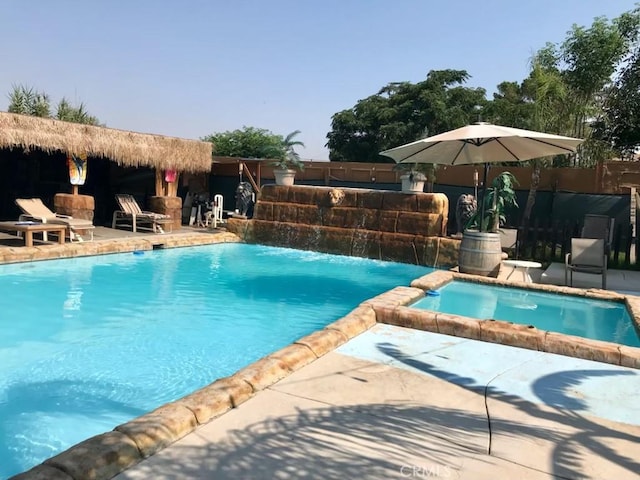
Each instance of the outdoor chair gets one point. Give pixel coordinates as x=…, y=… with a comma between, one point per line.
x=34, y=210
x=214, y=216
x=598, y=226
x=132, y=216
x=588, y=255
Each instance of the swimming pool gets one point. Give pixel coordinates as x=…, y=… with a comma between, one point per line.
x=89, y=343
x=584, y=317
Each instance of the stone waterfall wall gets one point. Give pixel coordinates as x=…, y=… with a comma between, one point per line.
x=379, y=224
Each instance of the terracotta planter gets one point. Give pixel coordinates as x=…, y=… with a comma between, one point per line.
x=284, y=177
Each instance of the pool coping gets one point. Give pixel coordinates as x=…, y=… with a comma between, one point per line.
x=106, y=455
x=13, y=255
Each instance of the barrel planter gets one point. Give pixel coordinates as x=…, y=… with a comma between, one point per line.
x=480, y=253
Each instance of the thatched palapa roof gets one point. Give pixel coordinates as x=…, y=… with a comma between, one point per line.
x=129, y=149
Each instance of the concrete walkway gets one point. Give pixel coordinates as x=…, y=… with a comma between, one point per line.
x=401, y=403
x=622, y=281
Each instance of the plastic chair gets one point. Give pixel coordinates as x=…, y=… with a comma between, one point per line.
x=214, y=217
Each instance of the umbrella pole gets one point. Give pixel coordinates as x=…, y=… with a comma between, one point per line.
x=484, y=192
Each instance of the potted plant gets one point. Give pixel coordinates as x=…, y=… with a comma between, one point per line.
x=481, y=248
x=286, y=159
x=415, y=175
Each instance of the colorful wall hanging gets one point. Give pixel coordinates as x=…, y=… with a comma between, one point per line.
x=77, y=168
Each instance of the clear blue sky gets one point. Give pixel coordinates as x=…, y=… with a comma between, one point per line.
x=192, y=68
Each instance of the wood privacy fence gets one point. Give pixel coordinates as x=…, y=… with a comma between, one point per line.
x=612, y=177
x=550, y=241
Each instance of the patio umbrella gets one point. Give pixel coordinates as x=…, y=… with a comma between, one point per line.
x=483, y=143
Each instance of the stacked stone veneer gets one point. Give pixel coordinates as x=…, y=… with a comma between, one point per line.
x=379, y=224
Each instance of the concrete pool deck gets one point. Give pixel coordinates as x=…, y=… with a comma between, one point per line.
x=400, y=403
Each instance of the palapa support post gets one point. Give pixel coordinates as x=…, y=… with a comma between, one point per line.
x=160, y=192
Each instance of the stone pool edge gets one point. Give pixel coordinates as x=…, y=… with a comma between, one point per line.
x=106, y=455
x=12, y=255
x=391, y=310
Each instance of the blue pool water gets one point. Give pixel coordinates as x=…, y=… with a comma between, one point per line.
x=596, y=319
x=89, y=343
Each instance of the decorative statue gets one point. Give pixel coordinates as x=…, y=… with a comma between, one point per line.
x=244, y=198
x=336, y=196
x=465, y=209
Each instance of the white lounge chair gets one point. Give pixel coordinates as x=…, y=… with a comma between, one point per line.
x=33, y=209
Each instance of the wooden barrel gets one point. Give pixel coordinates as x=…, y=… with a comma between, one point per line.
x=480, y=253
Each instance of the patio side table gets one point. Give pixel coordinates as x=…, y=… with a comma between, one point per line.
x=523, y=266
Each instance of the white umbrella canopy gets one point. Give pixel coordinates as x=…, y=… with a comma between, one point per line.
x=483, y=143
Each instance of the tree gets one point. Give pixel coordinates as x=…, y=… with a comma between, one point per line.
x=591, y=57
x=28, y=101
x=67, y=112
x=511, y=107
x=567, y=83
x=400, y=113
x=547, y=90
x=249, y=142
x=619, y=124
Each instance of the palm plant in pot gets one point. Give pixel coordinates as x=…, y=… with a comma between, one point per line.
x=286, y=159
x=480, y=250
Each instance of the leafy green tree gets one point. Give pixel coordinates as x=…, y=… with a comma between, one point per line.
x=511, y=106
x=400, y=113
x=251, y=142
x=619, y=124
x=568, y=82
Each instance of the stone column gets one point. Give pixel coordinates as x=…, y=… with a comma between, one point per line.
x=168, y=206
x=76, y=206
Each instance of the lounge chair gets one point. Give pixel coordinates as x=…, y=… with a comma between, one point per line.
x=132, y=216
x=33, y=209
x=588, y=255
